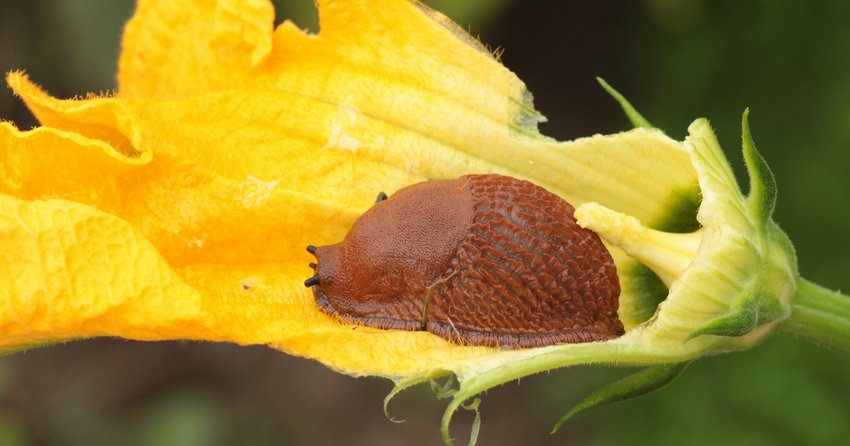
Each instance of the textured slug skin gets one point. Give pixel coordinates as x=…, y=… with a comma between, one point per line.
x=482, y=259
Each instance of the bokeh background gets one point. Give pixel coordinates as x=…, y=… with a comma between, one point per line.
x=675, y=60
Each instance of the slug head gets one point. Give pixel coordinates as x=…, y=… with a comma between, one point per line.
x=395, y=248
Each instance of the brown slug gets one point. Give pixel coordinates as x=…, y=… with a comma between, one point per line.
x=481, y=259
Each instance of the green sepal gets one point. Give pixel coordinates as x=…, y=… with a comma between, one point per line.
x=737, y=323
x=636, y=384
x=757, y=309
x=476, y=422
x=634, y=116
x=762, y=197
x=445, y=390
x=399, y=386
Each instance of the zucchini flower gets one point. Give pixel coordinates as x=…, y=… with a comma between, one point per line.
x=179, y=206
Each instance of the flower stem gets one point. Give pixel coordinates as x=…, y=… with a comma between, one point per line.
x=820, y=315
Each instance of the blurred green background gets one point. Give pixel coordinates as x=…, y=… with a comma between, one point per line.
x=675, y=60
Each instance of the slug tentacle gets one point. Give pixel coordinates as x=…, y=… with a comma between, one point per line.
x=313, y=281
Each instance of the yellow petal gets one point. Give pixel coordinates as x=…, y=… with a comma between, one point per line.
x=68, y=271
x=173, y=49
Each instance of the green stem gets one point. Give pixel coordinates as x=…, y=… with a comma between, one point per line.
x=820, y=315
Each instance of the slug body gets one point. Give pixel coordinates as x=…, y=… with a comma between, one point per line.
x=481, y=259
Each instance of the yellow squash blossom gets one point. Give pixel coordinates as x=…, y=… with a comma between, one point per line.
x=179, y=207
